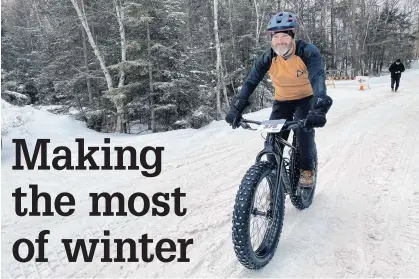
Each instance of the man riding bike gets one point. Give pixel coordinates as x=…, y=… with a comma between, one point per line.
x=296, y=69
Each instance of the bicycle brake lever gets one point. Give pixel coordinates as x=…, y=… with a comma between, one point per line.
x=244, y=125
x=293, y=126
x=299, y=125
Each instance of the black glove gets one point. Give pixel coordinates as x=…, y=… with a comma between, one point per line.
x=234, y=115
x=323, y=103
x=317, y=116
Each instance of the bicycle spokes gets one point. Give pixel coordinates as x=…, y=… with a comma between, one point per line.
x=260, y=214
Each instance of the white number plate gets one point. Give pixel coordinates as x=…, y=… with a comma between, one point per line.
x=271, y=126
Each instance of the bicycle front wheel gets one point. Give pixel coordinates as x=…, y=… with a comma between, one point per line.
x=257, y=219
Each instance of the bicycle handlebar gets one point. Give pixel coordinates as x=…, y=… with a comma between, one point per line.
x=289, y=125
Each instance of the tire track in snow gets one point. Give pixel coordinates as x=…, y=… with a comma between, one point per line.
x=409, y=229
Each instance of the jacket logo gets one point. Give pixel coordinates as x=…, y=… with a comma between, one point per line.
x=299, y=73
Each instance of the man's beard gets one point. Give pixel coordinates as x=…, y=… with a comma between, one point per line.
x=281, y=50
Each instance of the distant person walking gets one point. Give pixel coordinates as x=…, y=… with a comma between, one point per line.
x=396, y=70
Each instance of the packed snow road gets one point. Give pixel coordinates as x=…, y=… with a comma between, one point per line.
x=363, y=221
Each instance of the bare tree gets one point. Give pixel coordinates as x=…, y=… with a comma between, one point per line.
x=86, y=67
x=150, y=73
x=354, y=32
x=120, y=17
x=218, y=48
x=99, y=56
x=260, y=9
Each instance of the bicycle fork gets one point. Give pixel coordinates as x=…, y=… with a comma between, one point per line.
x=272, y=149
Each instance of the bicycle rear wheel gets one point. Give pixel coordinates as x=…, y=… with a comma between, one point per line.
x=300, y=198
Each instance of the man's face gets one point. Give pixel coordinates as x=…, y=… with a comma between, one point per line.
x=281, y=43
x=397, y=63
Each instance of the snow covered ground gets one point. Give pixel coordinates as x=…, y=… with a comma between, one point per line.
x=363, y=222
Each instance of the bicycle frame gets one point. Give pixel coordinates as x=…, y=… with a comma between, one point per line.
x=273, y=144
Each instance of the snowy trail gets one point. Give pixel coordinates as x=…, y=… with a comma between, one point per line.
x=363, y=222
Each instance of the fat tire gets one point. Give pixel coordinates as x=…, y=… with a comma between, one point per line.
x=241, y=218
x=297, y=200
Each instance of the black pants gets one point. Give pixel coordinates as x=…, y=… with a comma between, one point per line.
x=296, y=110
x=395, y=79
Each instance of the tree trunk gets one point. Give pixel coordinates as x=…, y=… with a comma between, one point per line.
x=223, y=75
x=362, y=54
x=120, y=17
x=96, y=50
x=188, y=23
x=218, y=48
x=383, y=40
x=353, y=48
x=121, y=121
x=417, y=44
x=35, y=10
x=150, y=74
x=255, y=2
x=210, y=37
x=332, y=33
x=232, y=35
x=98, y=54
x=86, y=66
x=324, y=23
x=260, y=9
x=312, y=24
